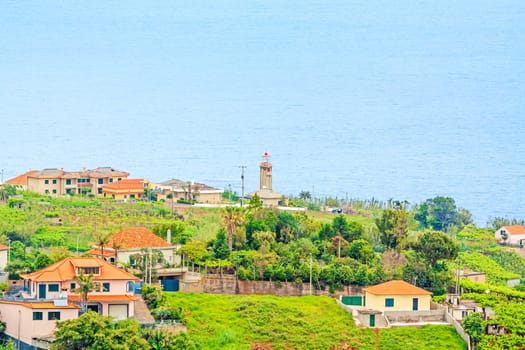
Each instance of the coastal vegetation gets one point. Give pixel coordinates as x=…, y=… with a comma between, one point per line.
x=369, y=242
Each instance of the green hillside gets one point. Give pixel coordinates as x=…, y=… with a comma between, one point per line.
x=270, y=322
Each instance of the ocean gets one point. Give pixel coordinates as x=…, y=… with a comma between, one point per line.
x=352, y=99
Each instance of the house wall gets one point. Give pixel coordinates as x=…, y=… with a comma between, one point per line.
x=38, y=185
x=401, y=302
x=214, y=198
x=3, y=259
x=116, y=287
x=512, y=239
x=20, y=324
x=121, y=195
x=169, y=255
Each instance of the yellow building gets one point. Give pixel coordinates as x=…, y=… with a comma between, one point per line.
x=59, y=182
x=397, y=296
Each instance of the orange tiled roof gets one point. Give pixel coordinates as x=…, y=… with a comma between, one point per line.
x=515, y=229
x=137, y=237
x=20, y=179
x=103, y=297
x=396, y=287
x=40, y=305
x=125, y=184
x=98, y=252
x=64, y=270
x=3, y=247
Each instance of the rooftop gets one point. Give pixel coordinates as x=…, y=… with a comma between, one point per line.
x=65, y=270
x=136, y=237
x=396, y=287
x=515, y=229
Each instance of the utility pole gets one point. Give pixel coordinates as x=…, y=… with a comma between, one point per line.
x=310, y=274
x=243, y=167
x=2, y=178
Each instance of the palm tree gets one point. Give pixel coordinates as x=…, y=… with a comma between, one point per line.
x=338, y=238
x=116, y=246
x=232, y=217
x=102, y=239
x=85, y=286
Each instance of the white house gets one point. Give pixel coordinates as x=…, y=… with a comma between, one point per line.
x=513, y=235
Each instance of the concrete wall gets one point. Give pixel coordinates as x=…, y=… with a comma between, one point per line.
x=459, y=329
x=401, y=302
x=230, y=285
x=415, y=316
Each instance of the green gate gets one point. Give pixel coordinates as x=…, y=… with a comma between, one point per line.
x=356, y=300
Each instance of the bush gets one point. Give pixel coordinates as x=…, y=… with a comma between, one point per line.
x=152, y=296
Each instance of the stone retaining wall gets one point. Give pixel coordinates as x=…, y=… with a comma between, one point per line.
x=215, y=284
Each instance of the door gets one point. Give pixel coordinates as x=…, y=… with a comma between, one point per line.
x=119, y=312
x=415, y=304
x=372, y=320
x=42, y=291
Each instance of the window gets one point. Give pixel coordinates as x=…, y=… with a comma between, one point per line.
x=68, y=181
x=100, y=181
x=53, y=315
x=68, y=190
x=110, y=180
x=46, y=191
x=54, y=191
x=46, y=182
x=105, y=287
x=52, y=287
x=38, y=315
x=389, y=302
x=72, y=286
x=100, y=190
x=89, y=270
x=130, y=287
x=54, y=181
x=131, y=196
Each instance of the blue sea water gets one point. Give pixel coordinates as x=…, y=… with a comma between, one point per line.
x=403, y=100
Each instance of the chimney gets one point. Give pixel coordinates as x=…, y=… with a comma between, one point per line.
x=168, y=236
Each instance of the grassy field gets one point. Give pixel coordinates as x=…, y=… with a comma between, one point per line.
x=269, y=322
x=427, y=337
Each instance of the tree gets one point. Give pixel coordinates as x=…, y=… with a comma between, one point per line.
x=101, y=240
x=265, y=239
x=85, y=286
x=473, y=325
x=349, y=230
x=361, y=251
x=146, y=261
x=220, y=247
x=92, y=331
x=232, y=217
x=393, y=225
x=305, y=195
x=434, y=245
x=195, y=250
x=440, y=213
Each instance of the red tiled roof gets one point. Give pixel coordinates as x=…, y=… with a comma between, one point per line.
x=20, y=179
x=515, y=229
x=3, y=247
x=64, y=270
x=137, y=237
x=125, y=184
x=396, y=287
